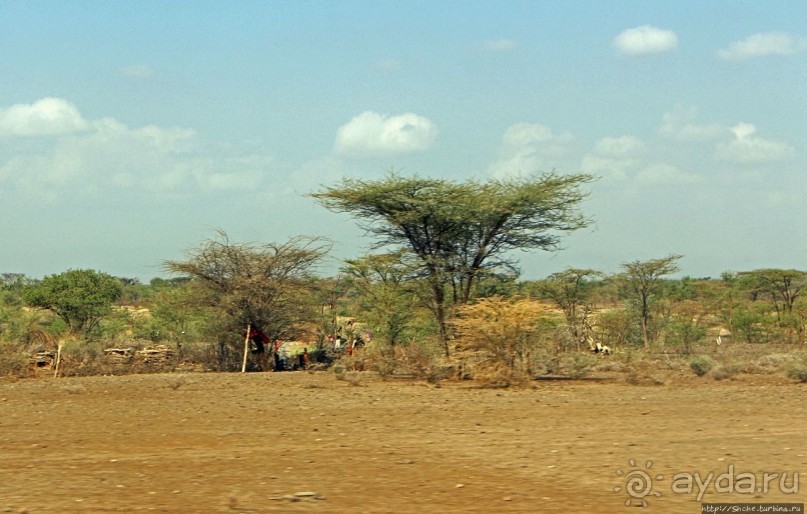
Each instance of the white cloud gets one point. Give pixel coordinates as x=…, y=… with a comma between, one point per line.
x=645, y=40
x=237, y=181
x=680, y=125
x=45, y=117
x=608, y=167
x=137, y=71
x=743, y=130
x=528, y=148
x=619, y=146
x=107, y=156
x=500, y=45
x=667, y=174
x=614, y=157
x=747, y=148
x=763, y=44
x=372, y=135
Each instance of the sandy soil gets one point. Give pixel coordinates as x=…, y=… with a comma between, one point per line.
x=252, y=442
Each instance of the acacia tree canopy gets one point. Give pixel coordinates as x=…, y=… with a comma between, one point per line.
x=641, y=282
x=458, y=230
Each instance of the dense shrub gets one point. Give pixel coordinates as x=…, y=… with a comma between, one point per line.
x=701, y=364
x=14, y=360
x=798, y=371
x=499, y=337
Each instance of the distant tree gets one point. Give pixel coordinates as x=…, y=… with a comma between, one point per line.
x=13, y=280
x=162, y=283
x=686, y=325
x=79, y=297
x=570, y=291
x=386, y=295
x=12, y=286
x=782, y=287
x=458, y=231
x=265, y=286
x=129, y=281
x=330, y=298
x=642, y=286
x=503, y=284
x=721, y=298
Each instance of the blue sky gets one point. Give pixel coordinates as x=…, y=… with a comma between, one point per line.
x=129, y=131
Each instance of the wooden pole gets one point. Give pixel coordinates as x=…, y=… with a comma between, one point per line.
x=58, y=359
x=246, y=348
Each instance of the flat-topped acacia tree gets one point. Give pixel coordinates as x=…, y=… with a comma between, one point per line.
x=460, y=230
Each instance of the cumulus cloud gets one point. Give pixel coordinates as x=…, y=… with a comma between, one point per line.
x=371, y=134
x=527, y=148
x=745, y=147
x=645, y=40
x=763, y=44
x=680, y=125
x=107, y=156
x=500, y=45
x=45, y=117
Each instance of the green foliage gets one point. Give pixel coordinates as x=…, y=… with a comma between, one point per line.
x=798, y=371
x=701, y=364
x=685, y=333
x=12, y=286
x=782, y=290
x=755, y=323
x=265, y=286
x=459, y=231
x=570, y=291
x=618, y=329
x=177, y=313
x=114, y=328
x=79, y=297
x=642, y=288
x=386, y=296
x=685, y=326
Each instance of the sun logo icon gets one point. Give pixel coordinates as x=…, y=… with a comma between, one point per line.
x=638, y=483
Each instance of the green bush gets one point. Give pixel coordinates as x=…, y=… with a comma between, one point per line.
x=798, y=371
x=701, y=365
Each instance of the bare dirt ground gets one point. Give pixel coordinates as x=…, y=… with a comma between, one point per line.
x=251, y=442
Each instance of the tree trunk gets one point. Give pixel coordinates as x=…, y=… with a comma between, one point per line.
x=440, y=314
x=645, y=335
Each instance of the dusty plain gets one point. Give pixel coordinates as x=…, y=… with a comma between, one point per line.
x=307, y=442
